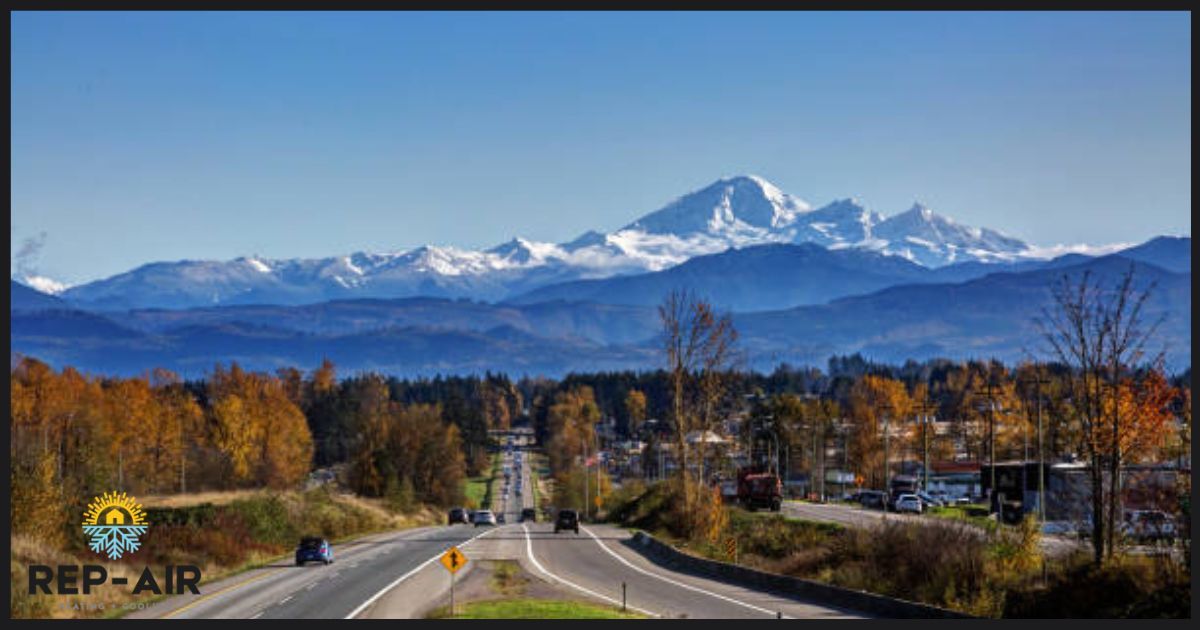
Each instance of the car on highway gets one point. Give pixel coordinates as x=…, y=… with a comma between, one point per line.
x=313, y=549
x=876, y=499
x=909, y=503
x=529, y=514
x=458, y=515
x=567, y=519
x=484, y=517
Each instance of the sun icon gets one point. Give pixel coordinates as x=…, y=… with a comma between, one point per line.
x=114, y=509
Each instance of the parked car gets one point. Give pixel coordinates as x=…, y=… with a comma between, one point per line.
x=1148, y=525
x=567, y=519
x=312, y=549
x=909, y=503
x=458, y=515
x=484, y=517
x=500, y=517
x=529, y=514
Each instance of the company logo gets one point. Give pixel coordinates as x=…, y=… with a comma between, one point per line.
x=114, y=522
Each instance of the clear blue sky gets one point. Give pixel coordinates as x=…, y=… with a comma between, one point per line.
x=140, y=137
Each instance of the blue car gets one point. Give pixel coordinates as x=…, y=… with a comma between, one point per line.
x=314, y=550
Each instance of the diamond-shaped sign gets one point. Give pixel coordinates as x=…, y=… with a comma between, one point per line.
x=453, y=560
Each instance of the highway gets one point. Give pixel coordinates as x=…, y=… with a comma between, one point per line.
x=397, y=575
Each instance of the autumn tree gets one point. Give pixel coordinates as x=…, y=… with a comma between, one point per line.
x=635, y=409
x=1101, y=333
x=698, y=344
x=877, y=409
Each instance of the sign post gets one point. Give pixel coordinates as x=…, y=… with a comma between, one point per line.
x=453, y=560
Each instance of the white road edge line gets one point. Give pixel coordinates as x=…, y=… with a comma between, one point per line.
x=363, y=606
x=529, y=552
x=678, y=583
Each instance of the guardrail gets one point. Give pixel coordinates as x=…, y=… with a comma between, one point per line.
x=848, y=599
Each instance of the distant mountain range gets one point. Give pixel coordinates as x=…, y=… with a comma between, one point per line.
x=769, y=277
x=738, y=212
x=794, y=303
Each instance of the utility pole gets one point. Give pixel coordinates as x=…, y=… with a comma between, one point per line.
x=887, y=471
x=586, y=503
x=991, y=442
x=925, y=410
x=1038, y=380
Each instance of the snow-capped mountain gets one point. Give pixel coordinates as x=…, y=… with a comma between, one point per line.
x=734, y=212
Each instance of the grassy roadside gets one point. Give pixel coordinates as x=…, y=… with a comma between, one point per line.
x=477, y=491
x=976, y=515
x=510, y=593
x=540, y=471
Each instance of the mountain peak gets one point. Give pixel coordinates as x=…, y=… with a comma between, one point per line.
x=729, y=204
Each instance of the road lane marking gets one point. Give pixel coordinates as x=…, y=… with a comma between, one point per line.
x=286, y=600
x=208, y=596
x=533, y=559
x=257, y=614
x=678, y=583
x=363, y=606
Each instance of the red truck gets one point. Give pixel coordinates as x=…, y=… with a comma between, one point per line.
x=758, y=488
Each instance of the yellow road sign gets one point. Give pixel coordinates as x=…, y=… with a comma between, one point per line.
x=453, y=560
x=598, y=501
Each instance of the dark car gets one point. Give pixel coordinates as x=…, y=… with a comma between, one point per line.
x=458, y=515
x=873, y=499
x=567, y=519
x=529, y=514
x=314, y=549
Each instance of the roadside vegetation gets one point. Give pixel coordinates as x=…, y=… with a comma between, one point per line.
x=996, y=573
x=477, y=490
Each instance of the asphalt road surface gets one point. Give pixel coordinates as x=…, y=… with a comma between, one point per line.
x=397, y=575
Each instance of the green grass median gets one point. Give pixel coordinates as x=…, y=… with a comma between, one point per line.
x=532, y=609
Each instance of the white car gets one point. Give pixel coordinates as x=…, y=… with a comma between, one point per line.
x=484, y=517
x=909, y=503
